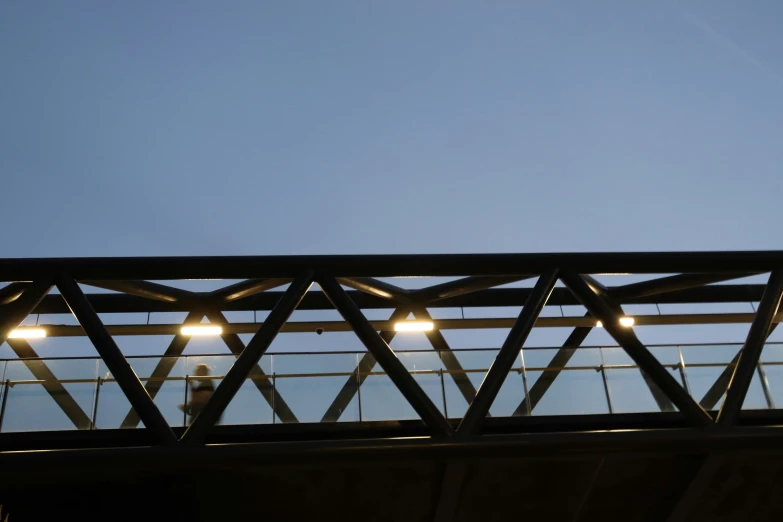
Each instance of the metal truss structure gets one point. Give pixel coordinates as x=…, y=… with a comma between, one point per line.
x=698, y=278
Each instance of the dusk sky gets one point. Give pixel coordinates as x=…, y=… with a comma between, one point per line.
x=348, y=127
x=198, y=128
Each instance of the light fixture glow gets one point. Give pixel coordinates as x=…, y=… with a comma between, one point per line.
x=201, y=330
x=624, y=321
x=413, y=326
x=27, y=333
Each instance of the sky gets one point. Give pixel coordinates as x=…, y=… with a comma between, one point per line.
x=349, y=127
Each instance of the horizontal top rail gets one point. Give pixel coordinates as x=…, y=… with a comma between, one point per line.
x=402, y=352
x=191, y=378
x=446, y=265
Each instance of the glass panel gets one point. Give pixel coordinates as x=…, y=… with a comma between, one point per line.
x=577, y=389
x=34, y=406
x=774, y=374
x=630, y=392
x=249, y=405
x=309, y=384
x=475, y=365
x=114, y=409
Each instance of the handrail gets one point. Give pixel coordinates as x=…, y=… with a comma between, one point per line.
x=404, y=351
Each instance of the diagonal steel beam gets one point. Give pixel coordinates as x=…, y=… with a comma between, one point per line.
x=204, y=303
x=360, y=374
x=404, y=381
x=751, y=351
x=53, y=387
x=246, y=288
x=11, y=292
x=448, y=357
x=110, y=353
x=406, y=299
x=664, y=404
x=498, y=372
x=547, y=377
x=635, y=349
x=673, y=283
x=721, y=384
x=252, y=353
x=466, y=285
x=263, y=384
x=163, y=368
x=145, y=289
x=17, y=311
x=578, y=335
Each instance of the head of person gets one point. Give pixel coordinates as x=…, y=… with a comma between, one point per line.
x=202, y=370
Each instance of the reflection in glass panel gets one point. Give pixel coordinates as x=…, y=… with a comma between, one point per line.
x=381, y=400
x=114, y=409
x=701, y=379
x=573, y=392
x=774, y=373
x=310, y=383
x=54, y=405
x=630, y=392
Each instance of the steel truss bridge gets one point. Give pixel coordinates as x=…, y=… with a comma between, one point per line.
x=697, y=457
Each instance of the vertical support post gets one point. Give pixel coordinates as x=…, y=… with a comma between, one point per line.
x=185, y=402
x=528, y=404
x=274, y=394
x=6, y=390
x=683, y=375
x=504, y=360
x=249, y=358
x=602, y=369
x=751, y=351
x=359, y=381
x=118, y=366
x=98, y=384
x=765, y=386
x=443, y=393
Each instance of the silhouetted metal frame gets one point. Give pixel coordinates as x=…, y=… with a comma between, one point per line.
x=663, y=402
x=721, y=384
x=50, y=384
x=746, y=363
x=249, y=358
x=16, y=312
x=360, y=373
x=433, y=265
x=11, y=292
x=122, y=371
x=454, y=473
x=395, y=370
x=635, y=349
x=411, y=301
x=202, y=304
x=654, y=287
x=504, y=360
x=162, y=370
x=751, y=351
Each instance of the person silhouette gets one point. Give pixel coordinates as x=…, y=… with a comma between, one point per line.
x=201, y=390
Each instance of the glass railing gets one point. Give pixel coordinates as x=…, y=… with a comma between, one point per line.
x=80, y=393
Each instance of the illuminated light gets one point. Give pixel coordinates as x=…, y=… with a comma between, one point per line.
x=625, y=321
x=28, y=333
x=201, y=330
x=413, y=326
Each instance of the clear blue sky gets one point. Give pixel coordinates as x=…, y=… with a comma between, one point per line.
x=194, y=128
